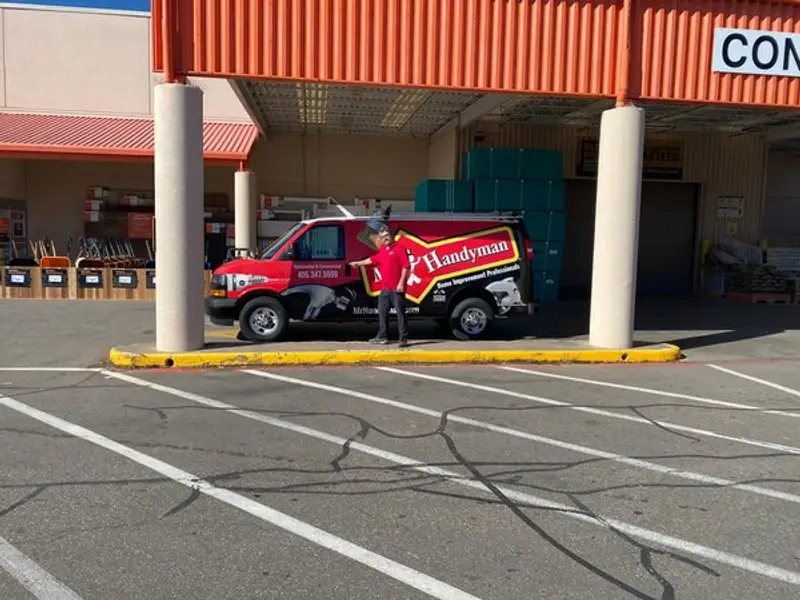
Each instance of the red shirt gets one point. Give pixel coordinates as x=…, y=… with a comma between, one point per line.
x=390, y=261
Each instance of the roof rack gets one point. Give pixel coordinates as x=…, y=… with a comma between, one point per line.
x=429, y=217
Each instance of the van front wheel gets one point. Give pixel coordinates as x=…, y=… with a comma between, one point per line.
x=263, y=319
x=471, y=319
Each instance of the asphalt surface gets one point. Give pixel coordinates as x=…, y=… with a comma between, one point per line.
x=573, y=482
x=79, y=333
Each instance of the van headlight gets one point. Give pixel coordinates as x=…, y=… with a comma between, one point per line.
x=218, y=286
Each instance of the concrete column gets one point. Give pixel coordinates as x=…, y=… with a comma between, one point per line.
x=616, y=230
x=180, y=319
x=244, y=210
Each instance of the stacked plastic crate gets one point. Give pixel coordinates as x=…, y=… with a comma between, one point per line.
x=530, y=183
x=444, y=195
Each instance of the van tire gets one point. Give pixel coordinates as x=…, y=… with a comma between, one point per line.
x=263, y=319
x=471, y=319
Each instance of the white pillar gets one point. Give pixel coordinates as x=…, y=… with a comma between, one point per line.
x=616, y=230
x=244, y=210
x=180, y=318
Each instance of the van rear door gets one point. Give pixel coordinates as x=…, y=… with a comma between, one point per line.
x=525, y=283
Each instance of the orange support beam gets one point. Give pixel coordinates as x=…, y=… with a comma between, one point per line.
x=616, y=49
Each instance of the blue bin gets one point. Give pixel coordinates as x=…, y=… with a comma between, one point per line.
x=497, y=195
x=541, y=164
x=511, y=163
x=548, y=256
x=519, y=195
x=545, y=226
x=543, y=194
x=477, y=164
x=546, y=285
x=444, y=195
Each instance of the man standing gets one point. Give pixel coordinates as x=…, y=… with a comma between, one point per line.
x=393, y=265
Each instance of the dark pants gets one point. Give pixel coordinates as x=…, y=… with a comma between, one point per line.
x=386, y=300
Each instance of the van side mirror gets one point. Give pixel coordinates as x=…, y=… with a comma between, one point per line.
x=287, y=254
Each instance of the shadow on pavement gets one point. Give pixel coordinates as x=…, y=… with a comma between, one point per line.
x=688, y=322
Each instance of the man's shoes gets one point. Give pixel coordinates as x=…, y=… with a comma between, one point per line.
x=378, y=340
x=402, y=344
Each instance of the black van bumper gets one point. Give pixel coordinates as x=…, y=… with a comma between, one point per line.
x=523, y=309
x=221, y=311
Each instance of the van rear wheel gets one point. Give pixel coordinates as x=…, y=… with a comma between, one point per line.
x=471, y=319
x=263, y=319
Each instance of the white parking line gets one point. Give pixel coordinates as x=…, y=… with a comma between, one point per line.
x=54, y=369
x=31, y=576
x=597, y=411
x=640, y=533
x=619, y=458
x=654, y=392
x=420, y=581
x=777, y=386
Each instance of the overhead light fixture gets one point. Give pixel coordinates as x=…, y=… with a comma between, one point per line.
x=312, y=103
x=403, y=108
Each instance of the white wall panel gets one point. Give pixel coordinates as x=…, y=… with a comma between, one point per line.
x=89, y=62
x=83, y=62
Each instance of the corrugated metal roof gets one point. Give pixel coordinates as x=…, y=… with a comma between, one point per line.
x=37, y=134
x=535, y=46
x=660, y=49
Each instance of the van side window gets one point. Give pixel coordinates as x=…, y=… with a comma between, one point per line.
x=323, y=242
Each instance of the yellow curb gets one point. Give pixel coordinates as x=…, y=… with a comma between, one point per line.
x=197, y=360
x=222, y=333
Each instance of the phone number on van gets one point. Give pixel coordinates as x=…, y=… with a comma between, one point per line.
x=318, y=274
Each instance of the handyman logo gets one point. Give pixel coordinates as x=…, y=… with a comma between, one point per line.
x=432, y=262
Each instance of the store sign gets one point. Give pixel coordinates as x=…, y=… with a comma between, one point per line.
x=756, y=52
x=661, y=160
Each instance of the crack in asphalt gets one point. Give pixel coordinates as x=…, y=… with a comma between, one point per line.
x=421, y=483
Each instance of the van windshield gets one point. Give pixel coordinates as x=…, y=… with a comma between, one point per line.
x=273, y=248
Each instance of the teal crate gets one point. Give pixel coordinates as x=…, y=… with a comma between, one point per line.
x=543, y=194
x=545, y=226
x=546, y=285
x=541, y=164
x=519, y=195
x=547, y=256
x=477, y=164
x=444, y=195
x=497, y=194
x=511, y=163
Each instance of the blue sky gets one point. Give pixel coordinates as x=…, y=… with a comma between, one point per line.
x=143, y=5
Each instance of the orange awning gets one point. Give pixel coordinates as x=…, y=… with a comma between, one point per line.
x=25, y=135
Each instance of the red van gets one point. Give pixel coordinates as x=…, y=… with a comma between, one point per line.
x=466, y=270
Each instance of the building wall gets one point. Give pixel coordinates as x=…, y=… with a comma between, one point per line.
x=56, y=191
x=723, y=165
x=344, y=167
x=12, y=180
x=443, y=156
x=88, y=62
x=341, y=166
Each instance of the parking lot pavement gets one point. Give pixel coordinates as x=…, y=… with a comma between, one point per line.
x=79, y=333
x=654, y=482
